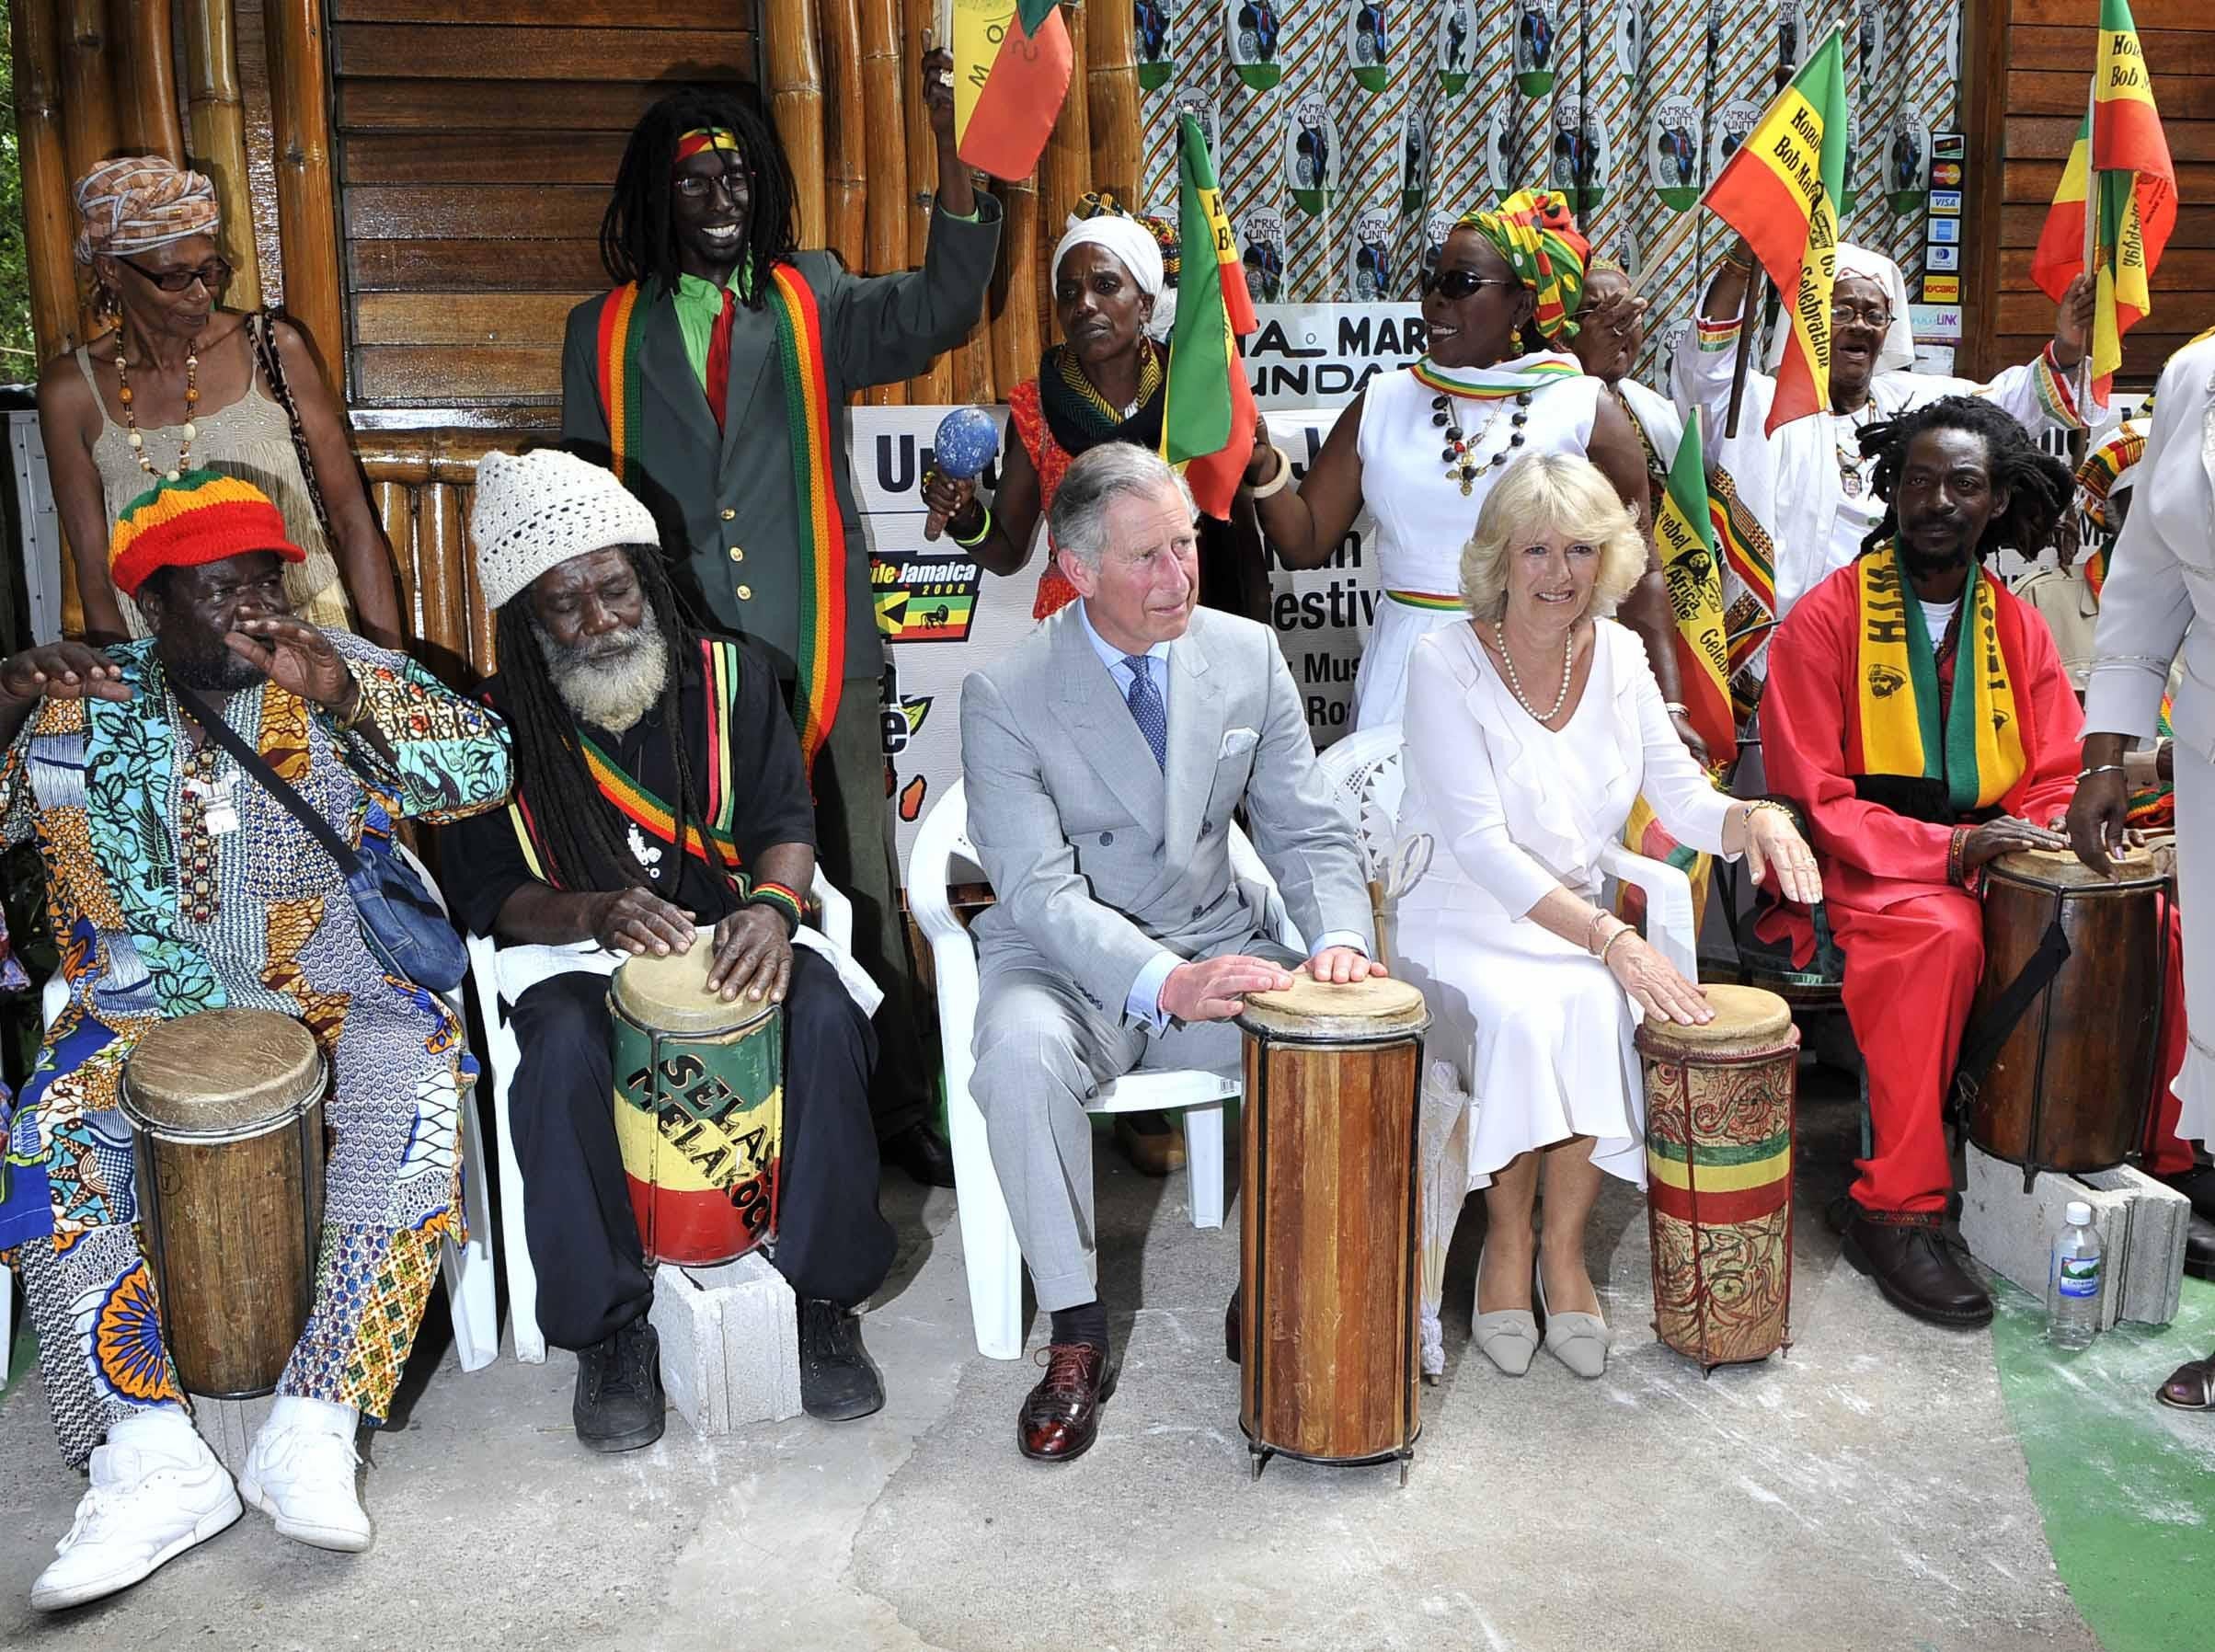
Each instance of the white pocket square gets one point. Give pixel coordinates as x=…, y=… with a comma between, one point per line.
x=1236, y=741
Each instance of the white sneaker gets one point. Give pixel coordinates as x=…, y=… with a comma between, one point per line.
x=145, y=1507
x=303, y=1479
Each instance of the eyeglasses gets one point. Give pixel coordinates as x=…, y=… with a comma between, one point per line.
x=214, y=275
x=698, y=186
x=1875, y=315
x=1459, y=283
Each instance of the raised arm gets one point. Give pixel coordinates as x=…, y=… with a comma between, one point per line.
x=1305, y=523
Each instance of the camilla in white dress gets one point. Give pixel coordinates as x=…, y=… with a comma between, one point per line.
x=1519, y=780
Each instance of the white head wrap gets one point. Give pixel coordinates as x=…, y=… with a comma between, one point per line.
x=1897, y=354
x=535, y=510
x=1135, y=248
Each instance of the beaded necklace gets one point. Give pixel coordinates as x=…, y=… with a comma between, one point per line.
x=134, y=436
x=1459, y=453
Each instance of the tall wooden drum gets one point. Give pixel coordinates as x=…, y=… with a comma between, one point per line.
x=699, y=1108
x=226, y=1111
x=1330, y=1229
x=2068, y=1084
x=1719, y=1103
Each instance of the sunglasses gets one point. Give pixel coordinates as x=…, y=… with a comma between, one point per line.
x=214, y=275
x=1459, y=283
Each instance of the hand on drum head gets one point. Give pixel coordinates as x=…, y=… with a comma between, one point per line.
x=1341, y=965
x=2004, y=836
x=2097, y=815
x=753, y=957
x=1214, y=989
x=1653, y=982
x=639, y=921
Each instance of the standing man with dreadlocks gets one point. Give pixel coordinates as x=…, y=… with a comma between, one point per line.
x=1862, y=681
x=658, y=787
x=710, y=381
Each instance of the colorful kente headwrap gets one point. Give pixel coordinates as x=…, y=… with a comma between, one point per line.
x=704, y=137
x=204, y=516
x=1535, y=232
x=137, y=202
x=2108, y=466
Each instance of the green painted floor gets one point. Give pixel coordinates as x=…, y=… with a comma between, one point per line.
x=2125, y=1485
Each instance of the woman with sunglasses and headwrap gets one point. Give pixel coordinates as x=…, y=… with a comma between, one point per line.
x=1114, y=295
x=179, y=384
x=1423, y=445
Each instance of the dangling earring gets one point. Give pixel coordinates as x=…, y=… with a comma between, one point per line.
x=1515, y=339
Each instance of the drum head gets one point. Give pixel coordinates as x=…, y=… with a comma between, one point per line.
x=1323, y=1011
x=1746, y=1017
x=221, y=1073
x=670, y=994
x=2060, y=869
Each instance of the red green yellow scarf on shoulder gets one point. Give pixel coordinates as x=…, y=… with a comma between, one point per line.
x=807, y=420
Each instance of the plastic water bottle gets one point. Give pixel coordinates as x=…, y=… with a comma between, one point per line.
x=2072, y=1294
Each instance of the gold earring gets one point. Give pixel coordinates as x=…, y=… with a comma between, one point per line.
x=1515, y=339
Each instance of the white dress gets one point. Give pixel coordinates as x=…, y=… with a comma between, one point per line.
x=1539, y=1029
x=1423, y=518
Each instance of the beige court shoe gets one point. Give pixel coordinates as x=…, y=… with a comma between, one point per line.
x=1506, y=1337
x=1578, y=1340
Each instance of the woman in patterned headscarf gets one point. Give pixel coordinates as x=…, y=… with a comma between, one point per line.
x=1422, y=446
x=179, y=384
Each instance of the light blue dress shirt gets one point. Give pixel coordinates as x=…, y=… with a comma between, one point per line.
x=1144, y=1002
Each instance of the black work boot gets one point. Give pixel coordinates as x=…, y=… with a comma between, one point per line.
x=838, y=1380
x=620, y=1405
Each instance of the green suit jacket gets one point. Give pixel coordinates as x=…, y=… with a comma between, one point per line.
x=728, y=495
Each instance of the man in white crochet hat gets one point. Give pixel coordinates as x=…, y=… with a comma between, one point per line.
x=659, y=806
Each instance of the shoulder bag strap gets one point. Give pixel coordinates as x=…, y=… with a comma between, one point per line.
x=263, y=334
x=223, y=735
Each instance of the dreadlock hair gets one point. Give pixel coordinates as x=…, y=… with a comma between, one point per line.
x=2039, y=487
x=638, y=234
x=578, y=829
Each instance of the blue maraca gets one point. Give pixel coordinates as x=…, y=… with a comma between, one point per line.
x=967, y=440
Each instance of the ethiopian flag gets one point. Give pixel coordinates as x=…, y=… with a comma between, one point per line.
x=1208, y=411
x=1694, y=577
x=2117, y=197
x=1781, y=189
x=1011, y=72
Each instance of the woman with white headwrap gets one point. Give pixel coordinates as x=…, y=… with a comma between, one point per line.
x=1114, y=293
x=1808, y=483
x=179, y=384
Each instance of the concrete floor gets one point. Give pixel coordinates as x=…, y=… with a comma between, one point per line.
x=1866, y=1492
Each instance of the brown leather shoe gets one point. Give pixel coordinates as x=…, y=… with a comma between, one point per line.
x=1061, y=1416
x=1907, y=1254
x=1152, y=1143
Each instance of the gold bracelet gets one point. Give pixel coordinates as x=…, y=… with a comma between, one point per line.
x=352, y=720
x=1275, y=483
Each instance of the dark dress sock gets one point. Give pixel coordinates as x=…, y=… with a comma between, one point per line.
x=1086, y=1323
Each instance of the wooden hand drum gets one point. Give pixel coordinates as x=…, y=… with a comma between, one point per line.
x=226, y=1108
x=699, y=1108
x=2073, y=1071
x=1329, y=1232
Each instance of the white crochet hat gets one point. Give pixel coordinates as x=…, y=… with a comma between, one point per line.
x=535, y=510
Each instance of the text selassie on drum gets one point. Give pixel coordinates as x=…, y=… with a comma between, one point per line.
x=226, y=1113
x=2068, y=1014
x=1719, y=1101
x=1329, y=1234
x=699, y=1108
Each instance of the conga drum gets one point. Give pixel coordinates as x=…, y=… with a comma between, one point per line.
x=2067, y=1021
x=1719, y=1102
x=226, y=1113
x=1330, y=1231
x=699, y=1108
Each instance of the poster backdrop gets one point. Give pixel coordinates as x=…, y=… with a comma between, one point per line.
x=942, y=615
x=1350, y=134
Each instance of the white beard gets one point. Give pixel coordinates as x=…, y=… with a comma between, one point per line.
x=612, y=691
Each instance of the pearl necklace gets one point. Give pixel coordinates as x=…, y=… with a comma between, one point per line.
x=1458, y=452
x=137, y=441
x=1568, y=652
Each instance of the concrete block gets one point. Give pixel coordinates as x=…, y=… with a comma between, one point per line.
x=2150, y=1276
x=2011, y=1233
x=229, y=1425
x=729, y=1343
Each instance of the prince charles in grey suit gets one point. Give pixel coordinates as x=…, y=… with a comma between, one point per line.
x=1103, y=760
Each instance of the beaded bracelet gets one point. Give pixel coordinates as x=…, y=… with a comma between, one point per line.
x=1611, y=944
x=1957, y=869
x=969, y=542
x=780, y=901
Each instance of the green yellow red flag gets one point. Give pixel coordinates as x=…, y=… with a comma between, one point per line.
x=1011, y=72
x=1781, y=191
x=1208, y=411
x=1684, y=536
x=2116, y=199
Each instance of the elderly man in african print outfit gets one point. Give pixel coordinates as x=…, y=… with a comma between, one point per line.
x=179, y=884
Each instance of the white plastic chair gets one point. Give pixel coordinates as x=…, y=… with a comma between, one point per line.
x=988, y=1236
x=466, y=1266
x=503, y=1056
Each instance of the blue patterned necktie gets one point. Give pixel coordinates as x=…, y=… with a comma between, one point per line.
x=1146, y=708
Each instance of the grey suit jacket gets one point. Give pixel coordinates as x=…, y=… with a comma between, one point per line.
x=727, y=495
x=1098, y=859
